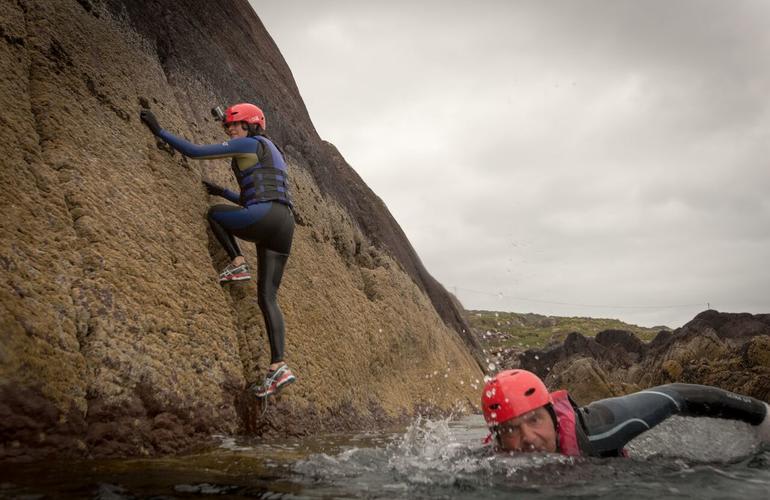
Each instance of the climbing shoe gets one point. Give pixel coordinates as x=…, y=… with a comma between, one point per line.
x=234, y=273
x=274, y=380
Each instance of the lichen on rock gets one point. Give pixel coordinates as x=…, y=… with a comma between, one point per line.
x=117, y=338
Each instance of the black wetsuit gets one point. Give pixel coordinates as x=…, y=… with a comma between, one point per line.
x=604, y=427
x=266, y=220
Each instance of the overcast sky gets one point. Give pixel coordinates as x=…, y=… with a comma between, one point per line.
x=578, y=158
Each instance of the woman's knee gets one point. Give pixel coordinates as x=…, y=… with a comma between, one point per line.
x=266, y=296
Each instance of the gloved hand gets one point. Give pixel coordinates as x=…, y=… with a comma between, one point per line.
x=213, y=189
x=149, y=119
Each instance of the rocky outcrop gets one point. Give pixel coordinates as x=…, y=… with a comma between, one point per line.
x=585, y=378
x=607, y=349
x=730, y=326
x=727, y=350
x=624, y=344
x=116, y=338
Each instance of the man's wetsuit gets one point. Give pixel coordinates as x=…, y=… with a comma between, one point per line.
x=604, y=427
x=263, y=217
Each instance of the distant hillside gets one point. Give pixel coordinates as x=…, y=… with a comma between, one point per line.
x=498, y=330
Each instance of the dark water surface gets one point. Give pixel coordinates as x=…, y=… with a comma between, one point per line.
x=683, y=458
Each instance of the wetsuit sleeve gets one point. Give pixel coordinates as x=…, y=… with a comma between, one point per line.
x=611, y=423
x=231, y=196
x=236, y=147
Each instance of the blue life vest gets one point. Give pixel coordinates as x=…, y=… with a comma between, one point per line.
x=265, y=181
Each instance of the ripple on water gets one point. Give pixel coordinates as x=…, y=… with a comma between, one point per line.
x=431, y=459
x=445, y=459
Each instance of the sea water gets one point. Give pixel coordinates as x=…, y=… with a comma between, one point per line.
x=431, y=459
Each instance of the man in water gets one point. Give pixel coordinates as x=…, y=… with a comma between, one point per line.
x=523, y=416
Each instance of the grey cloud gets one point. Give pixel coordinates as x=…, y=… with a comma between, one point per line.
x=593, y=153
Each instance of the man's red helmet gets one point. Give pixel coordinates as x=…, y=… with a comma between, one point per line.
x=512, y=393
x=245, y=112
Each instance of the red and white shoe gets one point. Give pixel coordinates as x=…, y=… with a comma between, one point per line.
x=274, y=380
x=234, y=273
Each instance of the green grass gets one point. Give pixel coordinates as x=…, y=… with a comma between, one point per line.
x=524, y=331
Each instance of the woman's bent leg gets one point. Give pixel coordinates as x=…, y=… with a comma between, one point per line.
x=218, y=217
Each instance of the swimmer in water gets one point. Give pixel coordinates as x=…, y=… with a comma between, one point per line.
x=524, y=417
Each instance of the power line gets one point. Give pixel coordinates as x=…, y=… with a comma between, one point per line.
x=554, y=302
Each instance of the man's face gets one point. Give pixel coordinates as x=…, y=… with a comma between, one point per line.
x=533, y=431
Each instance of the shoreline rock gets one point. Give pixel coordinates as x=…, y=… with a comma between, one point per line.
x=728, y=350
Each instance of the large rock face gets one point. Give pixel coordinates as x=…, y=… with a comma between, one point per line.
x=116, y=337
x=727, y=350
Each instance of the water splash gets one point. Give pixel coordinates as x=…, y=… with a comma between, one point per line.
x=431, y=459
x=432, y=454
x=230, y=443
x=697, y=439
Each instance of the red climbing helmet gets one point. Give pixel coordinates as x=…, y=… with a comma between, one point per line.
x=245, y=112
x=512, y=393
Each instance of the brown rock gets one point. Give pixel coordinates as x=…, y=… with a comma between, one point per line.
x=625, y=342
x=756, y=352
x=722, y=349
x=111, y=314
x=673, y=369
x=701, y=346
x=584, y=379
x=731, y=325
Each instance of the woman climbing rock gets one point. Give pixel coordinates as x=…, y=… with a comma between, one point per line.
x=263, y=216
